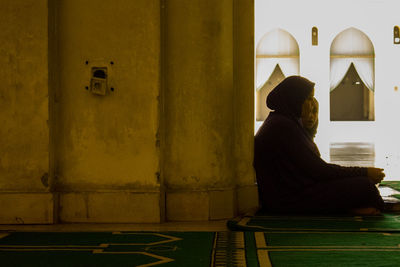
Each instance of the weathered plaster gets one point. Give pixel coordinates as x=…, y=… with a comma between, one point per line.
x=180, y=114
x=108, y=141
x=199, y=94
x=24, y=134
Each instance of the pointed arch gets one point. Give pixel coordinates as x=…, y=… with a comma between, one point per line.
x=262, y=110
x=276, y=47
x=352, y=46
x=352, y=76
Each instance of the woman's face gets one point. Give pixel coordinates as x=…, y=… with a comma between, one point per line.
x=309, y=112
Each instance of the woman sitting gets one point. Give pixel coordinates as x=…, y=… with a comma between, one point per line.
x=291, y=175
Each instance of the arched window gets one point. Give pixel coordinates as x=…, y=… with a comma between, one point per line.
x=352, y=77
x=277, y=57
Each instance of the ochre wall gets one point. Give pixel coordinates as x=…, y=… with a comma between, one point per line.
x=199, y=92
x=108, y=143
x=208, y=109
x=243, y=84
x=24, y=132
x=24, y=96
x=173, y=141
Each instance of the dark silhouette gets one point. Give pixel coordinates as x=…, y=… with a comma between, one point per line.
x=291, y=175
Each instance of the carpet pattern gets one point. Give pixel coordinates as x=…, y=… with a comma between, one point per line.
x=107, y=249
x=253, y=249
x=332, y=249
x=264, y=222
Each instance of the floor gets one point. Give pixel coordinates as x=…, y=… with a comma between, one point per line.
x=200, y=226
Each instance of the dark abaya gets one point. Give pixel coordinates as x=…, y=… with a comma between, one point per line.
x=291, y=175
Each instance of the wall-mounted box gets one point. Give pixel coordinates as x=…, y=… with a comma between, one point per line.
x=98, y=81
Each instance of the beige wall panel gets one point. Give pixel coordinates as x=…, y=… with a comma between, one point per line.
x=24, y=133
x=199, y=94
x=247, y=199
x=25, y=208
x=110, y=207
x=73, y=207
x=187, y=206
x=108, y=141
x=222, y=204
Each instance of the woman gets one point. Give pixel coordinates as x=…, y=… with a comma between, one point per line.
x=309, y=118
x=291, y=175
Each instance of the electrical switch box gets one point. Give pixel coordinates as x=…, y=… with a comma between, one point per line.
x=98, y=82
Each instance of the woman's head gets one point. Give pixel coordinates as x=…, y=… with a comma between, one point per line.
x=288, y=96
x=309, y=116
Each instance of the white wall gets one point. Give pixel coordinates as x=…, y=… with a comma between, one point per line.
x=376, y=18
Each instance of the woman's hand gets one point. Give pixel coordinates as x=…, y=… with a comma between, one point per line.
x=375, y=174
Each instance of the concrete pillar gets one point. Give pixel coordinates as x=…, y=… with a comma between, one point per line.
x=202, y=115
x=244, y=66
x=24, y=134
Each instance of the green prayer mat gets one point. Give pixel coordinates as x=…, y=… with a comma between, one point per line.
x=264, y=222
x=106, y=249
x=325, y=248
x=252, y=249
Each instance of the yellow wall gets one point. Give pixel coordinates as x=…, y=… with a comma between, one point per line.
x=243, y=83
x=198, y=108
x=108, y=141
x=24, y=131
x=176, y=132
x=24, y=113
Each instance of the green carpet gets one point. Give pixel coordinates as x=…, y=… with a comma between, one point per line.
x=263, y=222
x=253, y=249
x=106, y=249
x=328, y=248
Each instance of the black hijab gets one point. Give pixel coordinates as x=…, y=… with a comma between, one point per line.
x=287, y=97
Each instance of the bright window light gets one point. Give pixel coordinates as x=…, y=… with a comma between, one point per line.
x=315, y=64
